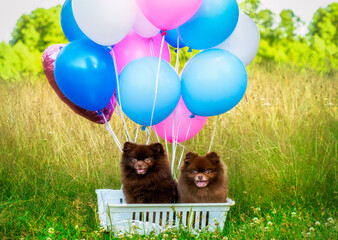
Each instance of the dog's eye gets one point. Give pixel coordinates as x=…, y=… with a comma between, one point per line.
x=193, y=171
x=147, y=160
x=134, y=160
x=208, y=171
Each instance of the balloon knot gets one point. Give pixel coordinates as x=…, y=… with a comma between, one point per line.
x=99, y=113
x=164, y=33
x=143, y=128
x=190, y=50
x=192, y=116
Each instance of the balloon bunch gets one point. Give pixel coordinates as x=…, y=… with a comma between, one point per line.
x=119, y=52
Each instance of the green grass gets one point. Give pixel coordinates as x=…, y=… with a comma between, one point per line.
x=279, y=143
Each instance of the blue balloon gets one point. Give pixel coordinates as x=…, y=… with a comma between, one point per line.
x=136, y=91
x=171, y=38
x=211, y=25
x=68, y=23
x=84, y=72
x=213, y=82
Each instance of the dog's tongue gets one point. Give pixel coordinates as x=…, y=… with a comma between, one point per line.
x=141, y=171
x=201, y=184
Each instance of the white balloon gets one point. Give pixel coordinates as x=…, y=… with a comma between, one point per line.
x=143, y=27
x=244, y=41
x=105, y=22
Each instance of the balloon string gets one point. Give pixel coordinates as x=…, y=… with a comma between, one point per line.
x=136, y=135
x=186, y=137
x=151, y=44
x=177, y=54
x=173, y=141
x=121, y=119
x=213, y=134
x=120, y=104
x=166, y=144
x=114, y=108
x=110, y=130
x=156, y=86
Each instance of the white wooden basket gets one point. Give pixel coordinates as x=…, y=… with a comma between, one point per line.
x=115, y=214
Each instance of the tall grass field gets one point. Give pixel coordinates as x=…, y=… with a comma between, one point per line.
x=280, y=146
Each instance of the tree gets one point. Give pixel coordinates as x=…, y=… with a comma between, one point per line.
x=250, y=8
x=39, y=29
x=32, y=35
x=288, y=25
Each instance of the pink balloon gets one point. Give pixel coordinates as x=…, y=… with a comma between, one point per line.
x=183, y=119
x=134, y=46
x=168, y=14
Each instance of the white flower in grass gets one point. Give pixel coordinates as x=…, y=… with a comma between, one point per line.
x=48, y=238
x=317, y=223
x=308, y=234
x=311, y=229
x=51, y=230
x=50, y=132
x=262, y=99
x=330, y=220
x=330, y=104
x=76, y=227
x=269, y=223
x=121, y=235
x=258, y=209
x=266, y=229
x=293, y=214
x=165, y=235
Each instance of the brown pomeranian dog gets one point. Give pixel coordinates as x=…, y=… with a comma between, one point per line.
x=146, y=175
x=202, y=179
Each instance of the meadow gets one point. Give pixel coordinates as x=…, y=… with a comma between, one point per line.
x=280, y=146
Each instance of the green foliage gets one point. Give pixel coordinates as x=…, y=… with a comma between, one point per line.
x=18, y=61
x=39, y=29
x=279, y=43
x=32, y=35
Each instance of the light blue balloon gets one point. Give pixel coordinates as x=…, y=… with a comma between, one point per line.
x=136, y=91
x=211, y=25
x=171, y=38
x=84, y=72
x=68, y=23
x=213, y=82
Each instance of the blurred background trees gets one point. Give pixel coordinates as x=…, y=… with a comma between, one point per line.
x=280, y=42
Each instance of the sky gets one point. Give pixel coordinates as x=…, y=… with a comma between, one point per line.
x=11, y=10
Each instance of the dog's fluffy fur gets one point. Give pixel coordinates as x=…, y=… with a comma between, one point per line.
x=146, y=175
x=202, y=179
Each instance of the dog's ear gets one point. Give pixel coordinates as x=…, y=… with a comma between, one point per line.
x=157, y=148
x=128, y=147
x=189, y=157
x=212, y=156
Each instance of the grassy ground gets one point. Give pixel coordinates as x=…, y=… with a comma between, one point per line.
x=280, y=145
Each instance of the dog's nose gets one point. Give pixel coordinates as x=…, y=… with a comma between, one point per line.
x=200, y=177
